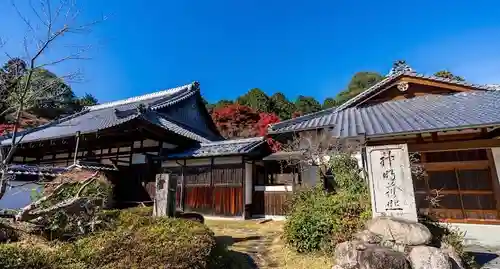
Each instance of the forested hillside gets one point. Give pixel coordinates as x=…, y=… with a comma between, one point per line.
x=249, y=114
x=48, y=97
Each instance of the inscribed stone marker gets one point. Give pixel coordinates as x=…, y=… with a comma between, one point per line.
x=391, y=184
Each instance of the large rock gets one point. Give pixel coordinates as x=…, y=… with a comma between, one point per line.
x=357, y=255
x=424, y=257
x=367, y=237
x=455, y=260
x=346, y=253
x=402, y=232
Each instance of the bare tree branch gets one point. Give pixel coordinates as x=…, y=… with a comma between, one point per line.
x=23, y=88
x=316, y=148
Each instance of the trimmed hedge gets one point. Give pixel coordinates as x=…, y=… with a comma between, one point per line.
x=132, y=239
x=166, y=242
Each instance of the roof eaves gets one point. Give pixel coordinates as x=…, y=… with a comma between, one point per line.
x=451, y=81
x=409, y=74
x=192, y=90
x=292, y=130
x=249, y=148
x=145, y=97
x=176, y=127
x=233, y=141
x=300, y=119
x=459, y=128
x=8, y=141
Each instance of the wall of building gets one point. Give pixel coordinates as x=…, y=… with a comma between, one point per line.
x=211, y=186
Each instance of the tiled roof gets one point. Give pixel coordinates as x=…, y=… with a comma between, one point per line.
x=22, y=169
x=40, y=170
x=420, y=114
x=221, y=148
x=94, y=166
x=99, y=117
x=395, y=76
x=165, y=122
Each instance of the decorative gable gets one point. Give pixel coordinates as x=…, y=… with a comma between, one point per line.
x=404, y=83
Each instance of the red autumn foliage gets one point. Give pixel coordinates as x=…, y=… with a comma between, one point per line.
x=242, y=121
x=263, y=124
x=6, y=128
x=264, y=120
x=235, y=120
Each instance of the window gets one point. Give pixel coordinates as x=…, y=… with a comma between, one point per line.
x=458, y=185
x=274, y=173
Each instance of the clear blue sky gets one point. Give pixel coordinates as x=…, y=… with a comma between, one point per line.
x=306, y=47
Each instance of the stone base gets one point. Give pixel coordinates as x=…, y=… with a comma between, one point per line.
x=248, y=211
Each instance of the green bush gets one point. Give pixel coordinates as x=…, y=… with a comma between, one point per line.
x=65, y=226
x=164, y=243
x=131, y=239
x=15, y=256
x=317, y=219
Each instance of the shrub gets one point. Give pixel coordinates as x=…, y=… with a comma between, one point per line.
x=317, y=219
x=164, y=242
x=130, y=239
x=68, y=224
x=445, y=234
x=15, y=256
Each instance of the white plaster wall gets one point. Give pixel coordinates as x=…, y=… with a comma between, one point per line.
x=248, y=183
x=284, y=188
x=479, y=234
x=138, y=158
x=196, y=162
x=204, y=161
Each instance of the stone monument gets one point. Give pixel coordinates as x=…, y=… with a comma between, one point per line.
x=390, y=180
x=164, y=200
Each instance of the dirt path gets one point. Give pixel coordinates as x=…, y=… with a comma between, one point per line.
x=253, y=245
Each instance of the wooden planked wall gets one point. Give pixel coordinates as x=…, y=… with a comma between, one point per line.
x=269, y=203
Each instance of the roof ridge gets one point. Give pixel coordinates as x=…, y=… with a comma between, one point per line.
x=373, y=87
x=192, y=86
x=303, y=117
x=233, y=141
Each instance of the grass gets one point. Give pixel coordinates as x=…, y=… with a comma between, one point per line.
x=254, y=245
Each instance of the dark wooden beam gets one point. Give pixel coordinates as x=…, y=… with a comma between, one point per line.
x=434, y=137
x=420, y=139
x=455, y=145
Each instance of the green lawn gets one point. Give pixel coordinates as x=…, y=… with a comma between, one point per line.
x=254, y=245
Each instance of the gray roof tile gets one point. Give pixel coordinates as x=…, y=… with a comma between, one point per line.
x=221, y=148
x=419, y=114
x=103, y=116
x=165, y=122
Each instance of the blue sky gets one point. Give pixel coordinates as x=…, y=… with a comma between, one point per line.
x=307, y=47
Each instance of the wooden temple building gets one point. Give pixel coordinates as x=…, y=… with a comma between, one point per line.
x=449, y=128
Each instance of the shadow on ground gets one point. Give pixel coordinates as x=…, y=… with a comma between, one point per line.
x=235, y=259
x=483, y=258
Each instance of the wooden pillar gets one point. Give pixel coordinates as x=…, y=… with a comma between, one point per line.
x=495, y=152
x=248, y=185
x=183, y=187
